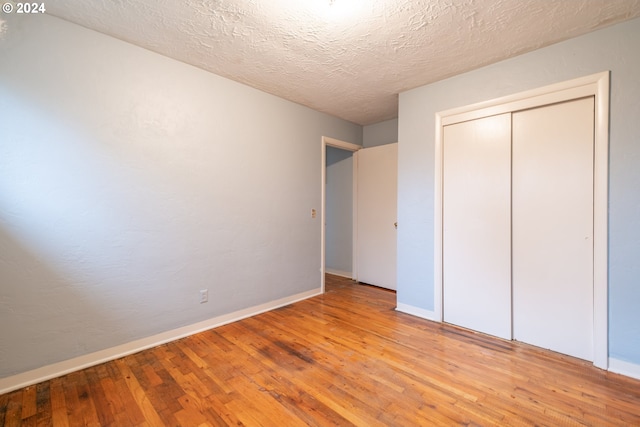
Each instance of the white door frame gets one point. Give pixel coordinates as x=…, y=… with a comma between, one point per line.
x=596, y=85
x=336, y=143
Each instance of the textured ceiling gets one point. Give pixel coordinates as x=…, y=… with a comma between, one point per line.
x=348, y=58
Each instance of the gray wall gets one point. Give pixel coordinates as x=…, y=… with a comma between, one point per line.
x=616, y=49
x=130, y=181
x=339, y=212
x=380, y=133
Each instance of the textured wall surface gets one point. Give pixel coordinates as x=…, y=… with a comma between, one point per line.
x=130, y=181
x=380, y=133
x=614, y=49
x=349, y=58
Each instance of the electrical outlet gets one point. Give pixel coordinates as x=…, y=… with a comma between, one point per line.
x=204, y=295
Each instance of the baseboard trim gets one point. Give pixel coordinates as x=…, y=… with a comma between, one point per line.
x=58, y=369
x=417, y=311
x=624, y=368
x=346, y=274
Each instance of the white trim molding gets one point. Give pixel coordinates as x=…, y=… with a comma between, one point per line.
x=332, y=142
x=624, y=368
x=596, y=85
x=417, y=311
x=346, y=274
x=55, y=370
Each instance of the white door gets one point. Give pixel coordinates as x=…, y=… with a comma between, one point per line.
x=476, y=225
x=553, y=227
x=377, y=194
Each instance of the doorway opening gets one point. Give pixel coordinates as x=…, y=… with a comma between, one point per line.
x=339, y=218
x=339, y=150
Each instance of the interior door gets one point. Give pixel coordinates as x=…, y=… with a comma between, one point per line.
x=553, y=227
x=476, y=225
x=377, y=194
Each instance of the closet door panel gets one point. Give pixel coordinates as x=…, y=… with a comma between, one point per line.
x=476, y=225
x=553, y=227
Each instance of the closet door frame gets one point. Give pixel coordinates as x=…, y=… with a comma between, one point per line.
x=596, y=85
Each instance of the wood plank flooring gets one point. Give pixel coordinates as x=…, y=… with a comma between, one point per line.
x=343, y=358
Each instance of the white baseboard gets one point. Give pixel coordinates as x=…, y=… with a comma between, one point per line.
x=346, y=274
x=624, y=368
x=54, y=370
x=417, y=311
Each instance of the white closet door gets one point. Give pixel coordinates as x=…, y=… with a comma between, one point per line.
x=476, y=225
x=553, y=227
x=377, y=197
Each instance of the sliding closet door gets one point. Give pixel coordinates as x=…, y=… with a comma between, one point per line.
x=553, y=227
x=476, y=225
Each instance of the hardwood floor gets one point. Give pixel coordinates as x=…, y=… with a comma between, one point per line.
x=343, y=358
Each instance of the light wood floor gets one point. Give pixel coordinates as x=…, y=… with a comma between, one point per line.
x=343, y=358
